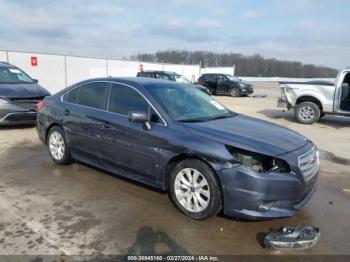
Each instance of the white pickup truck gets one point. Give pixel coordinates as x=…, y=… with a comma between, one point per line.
x=312, y=100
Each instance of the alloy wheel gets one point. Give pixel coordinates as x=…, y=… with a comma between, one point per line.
x=56, y=145
x=192, y=190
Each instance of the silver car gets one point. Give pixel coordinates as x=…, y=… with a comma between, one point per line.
x=19, y=95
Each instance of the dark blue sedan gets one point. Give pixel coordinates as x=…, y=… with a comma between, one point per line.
x=182, y=141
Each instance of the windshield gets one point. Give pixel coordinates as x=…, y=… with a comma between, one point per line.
x=181, y=79
x=14, y=76
x=232, y=78
x=185, y=104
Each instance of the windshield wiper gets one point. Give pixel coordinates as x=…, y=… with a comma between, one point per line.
x=220, y=117
x=190, y=120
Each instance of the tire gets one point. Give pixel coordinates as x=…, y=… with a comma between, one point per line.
x=198, y=200
x=58, y=146
x=234, y=92
x=307, y=113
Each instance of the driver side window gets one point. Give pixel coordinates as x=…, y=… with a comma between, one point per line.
x=124, y=99
x=220, y=78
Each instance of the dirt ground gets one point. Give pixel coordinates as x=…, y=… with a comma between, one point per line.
x=47, y=209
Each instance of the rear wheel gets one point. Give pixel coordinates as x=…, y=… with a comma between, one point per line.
x=58, y=146
x=234, y=92
x=194, y=189
x=307, y=113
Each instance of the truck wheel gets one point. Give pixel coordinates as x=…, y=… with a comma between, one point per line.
x=234, y=92
x=307, y=113
x=194, y=189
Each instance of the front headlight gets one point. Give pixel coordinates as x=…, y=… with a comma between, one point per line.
x=258, y=162
x=3, y=101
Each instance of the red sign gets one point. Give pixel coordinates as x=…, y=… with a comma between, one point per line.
x=141, y=67
x=34, y=61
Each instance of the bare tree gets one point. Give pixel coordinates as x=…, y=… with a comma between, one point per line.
x=255, y=65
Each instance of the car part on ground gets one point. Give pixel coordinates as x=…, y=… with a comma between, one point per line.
x=259, y=96
x=181, y=140
x=19, y=95
x=314, y=99
x=292, y=238
x=223, y=84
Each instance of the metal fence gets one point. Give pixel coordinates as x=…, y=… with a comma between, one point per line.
x=55, y=72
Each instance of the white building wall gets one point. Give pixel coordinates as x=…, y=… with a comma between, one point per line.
x=50, y=70
x=81, y=68
x=122, y=68
x=219, y=70
x=192, y=72
x=3, y=56
x=55, y=72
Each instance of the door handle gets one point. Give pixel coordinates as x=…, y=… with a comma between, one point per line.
x=66, y=112
x=106, y=124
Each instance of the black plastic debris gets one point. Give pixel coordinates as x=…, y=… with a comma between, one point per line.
x=292, y=237
x=259, y=96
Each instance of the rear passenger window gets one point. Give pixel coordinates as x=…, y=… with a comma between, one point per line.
x=92, y=95
x=124, y=99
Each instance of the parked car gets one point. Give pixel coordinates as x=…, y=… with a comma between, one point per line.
x=223, y=84
x=182, y=141
x=312, y=100
x=171, y=76
x=19, y=94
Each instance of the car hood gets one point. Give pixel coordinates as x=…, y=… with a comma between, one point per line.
x=203, y=88
x=22, y=90
x=250, y=134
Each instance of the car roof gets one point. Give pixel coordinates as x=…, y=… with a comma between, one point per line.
x=140, y=81
x=159, y=71
x=211, y=74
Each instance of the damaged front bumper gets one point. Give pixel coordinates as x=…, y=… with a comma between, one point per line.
x=252, y=195
x=292, y=238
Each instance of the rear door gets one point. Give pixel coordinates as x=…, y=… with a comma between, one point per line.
x=129, y=147
x=83, y=107
x=210, y=82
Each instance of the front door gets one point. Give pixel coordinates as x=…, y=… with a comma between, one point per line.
x=222, y=85
x=342, y=97
x=130, y=147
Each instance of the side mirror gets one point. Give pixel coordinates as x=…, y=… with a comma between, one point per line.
x=140, y=117
x=35, y=81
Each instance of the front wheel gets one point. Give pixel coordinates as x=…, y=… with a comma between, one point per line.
x=58, y=146
x=307, y=113
x=194, y=189
x=234, y=92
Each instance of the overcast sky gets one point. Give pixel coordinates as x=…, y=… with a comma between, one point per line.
x=310, y=31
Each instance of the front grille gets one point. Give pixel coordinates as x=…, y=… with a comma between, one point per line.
x=309, y=163
x=26, y=100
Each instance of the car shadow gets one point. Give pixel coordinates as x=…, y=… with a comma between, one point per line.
x=12, y=127
x=149, y=241
x=153, y=188
x=336, y=122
